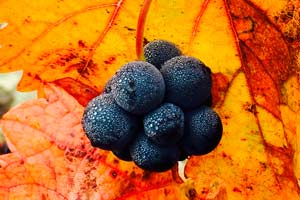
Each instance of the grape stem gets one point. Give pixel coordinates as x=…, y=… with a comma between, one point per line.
x=140, y=29
x=175, y=174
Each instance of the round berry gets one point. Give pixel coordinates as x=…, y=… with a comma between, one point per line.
x=182, y=155
x=203, y=131
x=159, y=51
x=107, y=125
x=149, y=156
x=188, y=82
x=208, y=102
x=109, y=84
x=165, y=124
x=123, y=154
x=138, y=87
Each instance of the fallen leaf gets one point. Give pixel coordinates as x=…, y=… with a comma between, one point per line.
x=258, y=154
x=51, y=40
x=252, y=48
x=52, y=158
x=245, y=163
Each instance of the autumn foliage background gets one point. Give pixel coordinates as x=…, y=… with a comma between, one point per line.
x=69, y=49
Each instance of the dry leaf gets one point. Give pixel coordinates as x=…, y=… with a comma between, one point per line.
x=252, y=48
x=53, y=159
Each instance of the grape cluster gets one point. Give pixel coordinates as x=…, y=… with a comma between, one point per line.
x=155, y=112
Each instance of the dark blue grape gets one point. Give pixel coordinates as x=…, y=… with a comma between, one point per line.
x=208, y=101
x=188, y=82
x=165, y=124
x=109, y=85
x=159, y=51
x=182, y=155
x=138, y=87
x=149, y=156
x=123, y=154
x=107, y=125
x=203, y=131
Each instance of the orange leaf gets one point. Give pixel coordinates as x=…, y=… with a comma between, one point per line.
x=52, y=158
x=252, y=48
x=51, y=40
x=258, y=155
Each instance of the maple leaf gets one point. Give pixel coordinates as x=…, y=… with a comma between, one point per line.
x=252, y=48
x=258, y=142
x=52, y=158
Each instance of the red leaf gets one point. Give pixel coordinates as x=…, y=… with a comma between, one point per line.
x=52, y=158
